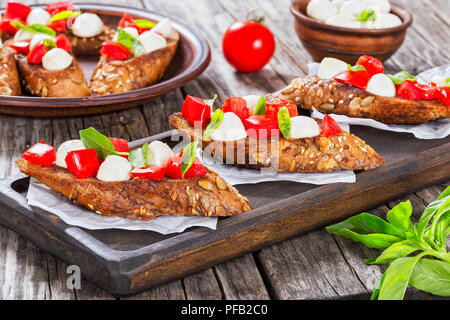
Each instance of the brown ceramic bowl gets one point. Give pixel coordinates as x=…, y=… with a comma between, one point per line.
x=322, y=40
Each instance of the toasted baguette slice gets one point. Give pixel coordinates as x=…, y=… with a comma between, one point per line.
x=69, y=82
x=143, y=199
x=110, y=77
x=89, y=46
x=329, y=96
x=319, y=154
x=9, y=76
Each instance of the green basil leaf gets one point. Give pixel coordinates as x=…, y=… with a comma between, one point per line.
x=376, y=292
x=144, y=24
x=367, y=15
x=373, y=240
x=401, y=77
x=62, y=15
x=430, y=212
x=91, y=138
x=130, y=42
x=356, y=68
x=49, y=44
x=397, y=250
x=188, y=157
x=397, y=278
x=210, y=102
x=261, y=106
x=447, y=80
x=400, y=216
x=216, y=119
x=432, y=276
x=284, y=121
x=138, y=157
x=35, y=28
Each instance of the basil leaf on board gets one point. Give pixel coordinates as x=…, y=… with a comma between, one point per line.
x=49, y=44
x=130, y=42
x=356, y=68
x=34, y=28
x=144, y=24
x=216, y=120
x=433, y=229
x=261, y=106
x=401, y=77
x=373, y=240
x=367, y=15
x=188, y=157
x=430, y=211
x=210, y=102
x=400, y=216
x=397, y=250
x=138, y=157
x=397, y=278
x=284, y=121
x=91, y=138
x=432, y=276
x=62, y=15
x=376, y=292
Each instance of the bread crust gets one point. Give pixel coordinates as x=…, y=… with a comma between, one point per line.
x=9, y=76
x=343, y=151
x=329, y=96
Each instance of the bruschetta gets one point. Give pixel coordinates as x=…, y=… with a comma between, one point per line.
x=139, y=184
x=9, y=76
x=364, y=91
x=251, y=132
x=137, y=56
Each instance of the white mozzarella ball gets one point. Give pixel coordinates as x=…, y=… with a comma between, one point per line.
x=152, y=41
x=321, y=9
x=440, y=81
x=329, y=67
x=338, y=4
x=381, y=6
x=23, y=35
x=56, y=59
x=304, y=127
x=38, y=16
x=354, y=7
x=252, y=102
x=164, y=27
x=231, y=128
x=39, y=37
x=159, y=153
x=387, y=20
x=87, y=25
x=345, y=20
x=381, y=85
x=130, y=30
x=65, y=148
x=114, y=168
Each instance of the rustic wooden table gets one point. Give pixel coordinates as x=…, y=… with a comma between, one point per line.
x=316, y=265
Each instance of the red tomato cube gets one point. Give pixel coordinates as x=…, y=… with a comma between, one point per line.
x=40, y=153
x=83, y=163
x=196, y=111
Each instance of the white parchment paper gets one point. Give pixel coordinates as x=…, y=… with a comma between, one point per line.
x=43, y=197
x=436, y=129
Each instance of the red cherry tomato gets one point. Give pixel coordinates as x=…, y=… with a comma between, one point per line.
x=248, y=46
x=83, y=163
x=329, y=127
x=120, y=145
x=238, y=106
x=274, y=105
x=127, y=21
x=37, y=53
x=63, y=42
x=59, y=25
x=20, y=46
x=174, y=168
x=444, y=95
x=115, y=51
x=408, y=90
x=56, y=7
x=427, y=91
x=150, y=172
x=196, y=111
x=371, y=64
x=6, y=27
x=40, y=153
x=16, y=10
x=260, y=127
x=358, y=79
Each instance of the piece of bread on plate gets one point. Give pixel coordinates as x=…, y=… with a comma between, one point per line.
x=9, y=76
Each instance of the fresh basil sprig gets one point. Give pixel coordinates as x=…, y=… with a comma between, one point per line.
x=367, y=15
x=35, y=28
x=401, y=239
x=188, y=157
x=261, y=106
x=130, y=42
x=401, y=77
x=284, y=122
x=64, y=15
x=144, y=24
x=49, y=44
x=91, y=138
x=138, y=157
x=356, y=68
x=215, y=122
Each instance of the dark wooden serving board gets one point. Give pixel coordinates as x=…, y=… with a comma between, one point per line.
x=126, y=262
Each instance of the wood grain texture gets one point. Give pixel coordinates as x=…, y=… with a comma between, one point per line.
x=295, y=269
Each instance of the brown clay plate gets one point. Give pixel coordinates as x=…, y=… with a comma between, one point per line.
x=191, y=59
